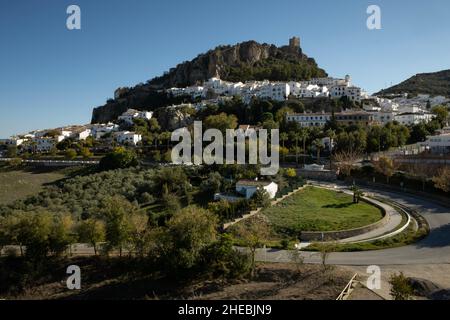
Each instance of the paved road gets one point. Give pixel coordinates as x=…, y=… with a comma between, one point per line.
x=395, y=218
x=434, y=249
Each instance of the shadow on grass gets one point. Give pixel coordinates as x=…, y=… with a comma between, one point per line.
x=339, y=205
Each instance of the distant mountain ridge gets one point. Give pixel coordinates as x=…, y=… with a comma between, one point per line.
x=244, y=61
x=434, y=84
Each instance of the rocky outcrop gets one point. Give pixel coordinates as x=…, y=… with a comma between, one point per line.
x=172, y=118
x=241, y=62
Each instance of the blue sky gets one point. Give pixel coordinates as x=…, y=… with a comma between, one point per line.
x=50, y=76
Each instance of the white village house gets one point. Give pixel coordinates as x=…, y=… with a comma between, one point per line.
x=248, y=187
x=438, y=144
x=131, y=114
x=245, y=189
x=127, y=138
x=13, y=141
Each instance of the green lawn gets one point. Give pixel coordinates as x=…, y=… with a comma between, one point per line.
x=315, y=209
x=18, y=184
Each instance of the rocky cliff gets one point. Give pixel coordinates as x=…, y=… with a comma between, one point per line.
x=241, y=62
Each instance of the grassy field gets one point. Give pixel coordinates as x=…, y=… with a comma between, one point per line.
x=315, y=209
x=18, y=184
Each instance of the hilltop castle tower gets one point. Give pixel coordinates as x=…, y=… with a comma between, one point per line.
x=294, y=43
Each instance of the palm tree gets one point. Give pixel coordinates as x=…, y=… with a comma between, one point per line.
x=357, y=194
x=318, y=144
x=283, y=137
x=305, y=135
x=296, y=137
x=331, y=134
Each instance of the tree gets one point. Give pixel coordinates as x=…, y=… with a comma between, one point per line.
x=222, y=260
x=85, y=153
x=442, y=179
x=261, y=199
x=304, y=135
x=325, y=249
x=283, y=138
x=346, y=161
x=154, y=125
x=441, y=113
x=165, y=136
x=400, y=287
x=385, y=166
x=119, y=158
x=5, y=233
x=357, y=194
x=283, y=152
x=173, y=179
x=331, y=134
x=280, y=115
x=221, y=122
x=11, y=152
x=61, y=233
x=92, y=231
x=139, y=233
x=296, y=258
x=117, y=211
x=253, y=233
x=318, y=144
x=212, y=185
x=71, y=154
x=296, y=137
x=188, y=232
x=170, y=203
x=32, y=231
x=290, y=173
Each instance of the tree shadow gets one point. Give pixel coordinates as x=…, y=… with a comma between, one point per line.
x=438, y=238
x=338, y=205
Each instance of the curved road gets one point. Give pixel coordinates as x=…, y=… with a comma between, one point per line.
x=434, y=249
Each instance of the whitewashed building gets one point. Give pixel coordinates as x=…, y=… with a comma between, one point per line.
x=82, y=135
x=248, y=187
x=383, y=117
x=309, y=119
x=45, y=144
x=131, y=114
x=127, y=138
x=13, y=141
x=410, y=118
x=99, y=130
x=439, y=144
x=275, y=91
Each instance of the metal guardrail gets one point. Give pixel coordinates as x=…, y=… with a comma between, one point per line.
x=348, y=289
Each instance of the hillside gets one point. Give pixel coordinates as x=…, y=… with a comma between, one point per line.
x=240, y=62
x=435, y=84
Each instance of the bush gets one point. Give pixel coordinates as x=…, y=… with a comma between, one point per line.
x=118, y=159
x=400, y=287
x=223, y=261
x=71, y=154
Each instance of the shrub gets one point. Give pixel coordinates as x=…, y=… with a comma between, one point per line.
x=400, y=287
